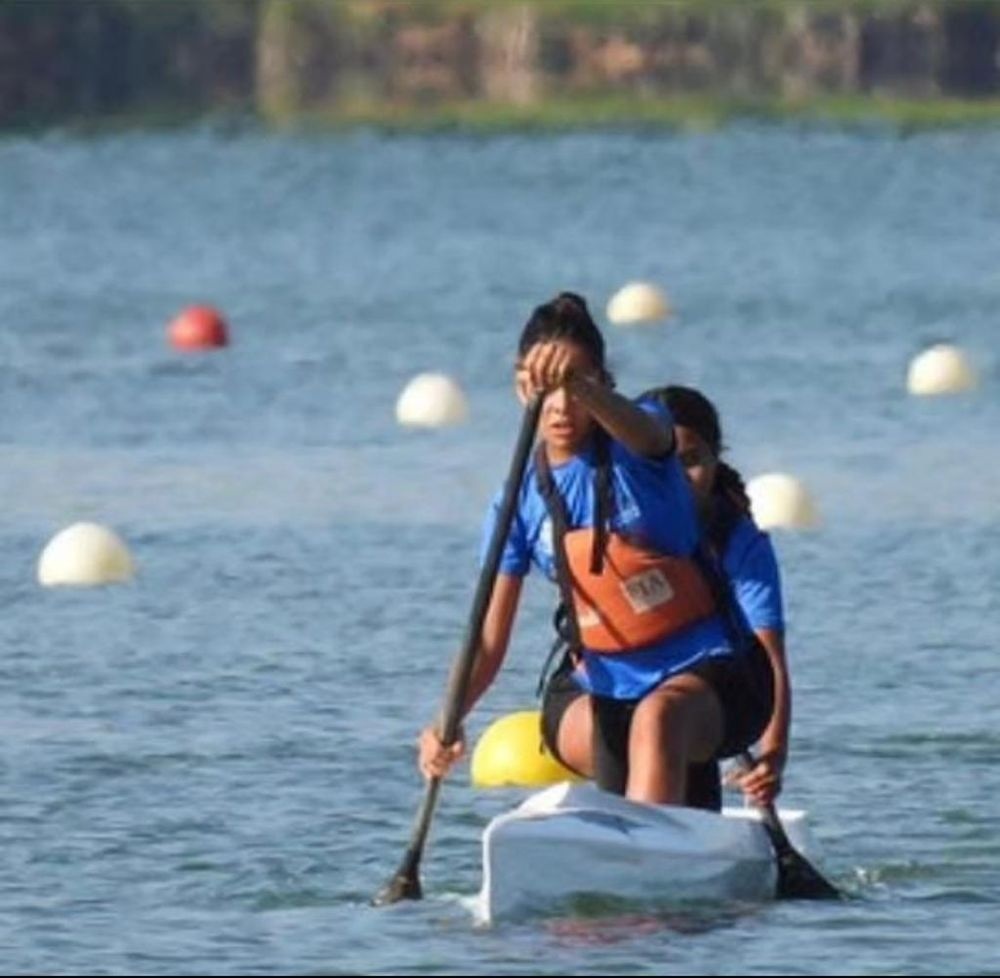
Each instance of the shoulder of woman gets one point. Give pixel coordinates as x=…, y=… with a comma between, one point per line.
x=748, y=540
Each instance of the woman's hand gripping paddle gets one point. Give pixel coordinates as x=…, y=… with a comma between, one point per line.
x=405, y=885
x=798, y=879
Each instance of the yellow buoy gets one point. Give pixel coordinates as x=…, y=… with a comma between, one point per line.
x=510, y=752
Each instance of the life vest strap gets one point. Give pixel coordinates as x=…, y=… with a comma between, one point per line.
x=556, y=506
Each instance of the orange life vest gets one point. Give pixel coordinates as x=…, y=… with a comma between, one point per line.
x=622, y=596
x=637, y=597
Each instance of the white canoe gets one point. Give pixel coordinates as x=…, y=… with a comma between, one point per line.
x=574, y=840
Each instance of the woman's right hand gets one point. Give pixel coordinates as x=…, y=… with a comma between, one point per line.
x=761, y=784
x=434, y=759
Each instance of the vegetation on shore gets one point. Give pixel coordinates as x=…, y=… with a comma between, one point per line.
x=499, y=65
x=686, y=112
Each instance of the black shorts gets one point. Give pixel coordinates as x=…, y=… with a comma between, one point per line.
x=561, y=691
x=744, y=685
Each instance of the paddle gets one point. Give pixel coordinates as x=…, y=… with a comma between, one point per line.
x=798, y=879
x=405, y=885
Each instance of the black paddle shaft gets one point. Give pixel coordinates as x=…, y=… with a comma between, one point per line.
x=405, y=885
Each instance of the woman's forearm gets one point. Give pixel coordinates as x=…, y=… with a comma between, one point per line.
x=774, y=740
x=639, y=431
x=494, y=640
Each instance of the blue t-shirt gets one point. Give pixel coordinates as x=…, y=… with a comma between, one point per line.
x=751, y=568
x=653, y=505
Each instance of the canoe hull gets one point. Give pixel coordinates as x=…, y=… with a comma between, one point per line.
x=573, y=840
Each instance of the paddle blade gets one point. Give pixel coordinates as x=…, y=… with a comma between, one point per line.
x=798, y=879
x=405, y=885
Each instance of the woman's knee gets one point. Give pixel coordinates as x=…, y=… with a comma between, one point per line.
x=683, y=711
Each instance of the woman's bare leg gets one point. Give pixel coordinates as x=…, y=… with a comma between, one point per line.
x=575, y=736
x=679, y=722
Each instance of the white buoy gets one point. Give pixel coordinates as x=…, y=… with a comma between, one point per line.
x=778, y=500
x=431, y=400
x=638, y=302
x=940, y=369
x=85, y=554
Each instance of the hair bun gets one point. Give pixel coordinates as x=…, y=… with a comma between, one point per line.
x=573, y=299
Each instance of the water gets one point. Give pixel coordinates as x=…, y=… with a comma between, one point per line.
x=210, y=771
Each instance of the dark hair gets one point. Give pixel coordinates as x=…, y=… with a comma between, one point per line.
x=566, y=317
x=691, y=409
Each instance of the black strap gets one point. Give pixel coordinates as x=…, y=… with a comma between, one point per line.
x=722, y=595
x=709, y=556
x=560, y=644
x=556, y=506
x=743, y=643
x=604, y=500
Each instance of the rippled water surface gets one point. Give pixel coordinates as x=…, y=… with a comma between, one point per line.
x=210, y=771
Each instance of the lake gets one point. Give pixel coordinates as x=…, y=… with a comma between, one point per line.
x=210, y=770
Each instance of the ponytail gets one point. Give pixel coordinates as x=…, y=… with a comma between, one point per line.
x=729, y=485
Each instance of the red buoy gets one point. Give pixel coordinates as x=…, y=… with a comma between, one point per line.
x=198, y=328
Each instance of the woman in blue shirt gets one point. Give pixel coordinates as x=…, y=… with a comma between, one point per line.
x=748, y=563
x=605, y=511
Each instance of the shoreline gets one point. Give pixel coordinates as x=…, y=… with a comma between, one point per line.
x=689, y=113
x=476, y=117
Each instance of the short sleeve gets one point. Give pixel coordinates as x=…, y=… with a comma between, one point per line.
x=752, y=568
x=515, y=559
